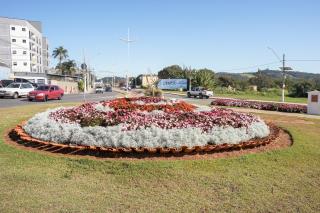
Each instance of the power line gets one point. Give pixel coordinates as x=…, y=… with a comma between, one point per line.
x=274, y=53
x=305, y=60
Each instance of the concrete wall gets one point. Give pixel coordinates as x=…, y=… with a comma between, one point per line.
x=19, y=49
x=45, y=54
x=314, y=105
x=5, y=44
x=68, y=87
x=27, y=45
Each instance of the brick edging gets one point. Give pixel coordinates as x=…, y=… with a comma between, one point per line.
x=19, y=135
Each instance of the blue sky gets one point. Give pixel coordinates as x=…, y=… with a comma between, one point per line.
x=220, y=35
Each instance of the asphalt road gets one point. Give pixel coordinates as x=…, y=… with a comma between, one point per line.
x=189, y=100
x=8, y=102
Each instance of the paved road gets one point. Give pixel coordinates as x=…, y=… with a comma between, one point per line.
x=8, y=102
x=190, y=100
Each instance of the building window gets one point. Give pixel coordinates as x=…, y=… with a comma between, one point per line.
x=14, y=40
x=24, y=52
x=15, y=63
x=24, y=41
x=14, y=51
x=25, y=63
x=314, y=98
x=23, y=29
x=13, y=28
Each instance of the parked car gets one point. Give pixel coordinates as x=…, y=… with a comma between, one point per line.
x=126, y=88
x=199, y=92
x=99, y=89
x=23, y=80
x=16, y=90
x=5, y=82
x=45, y=93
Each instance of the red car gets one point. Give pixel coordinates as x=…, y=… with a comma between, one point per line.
x=46, y=92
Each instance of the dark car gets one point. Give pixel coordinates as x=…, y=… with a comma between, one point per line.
x=108, y=89
x=22, y=80
x=46, y=92
x=5, y=82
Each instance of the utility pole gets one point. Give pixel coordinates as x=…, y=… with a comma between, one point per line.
x=84, y=71
x=190, y=80
x=283, y=69
x=127, y=41
x=283, y=76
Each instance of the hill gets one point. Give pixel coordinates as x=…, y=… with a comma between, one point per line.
x=276, y=74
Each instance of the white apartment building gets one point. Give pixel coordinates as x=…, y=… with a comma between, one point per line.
x=23, y=48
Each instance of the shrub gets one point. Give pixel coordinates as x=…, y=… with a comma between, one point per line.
x=81, y=85
x=153, y=92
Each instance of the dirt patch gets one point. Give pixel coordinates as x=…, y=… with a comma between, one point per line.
x=278, y=139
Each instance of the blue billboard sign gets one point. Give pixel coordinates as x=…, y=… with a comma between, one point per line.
x=173, y=84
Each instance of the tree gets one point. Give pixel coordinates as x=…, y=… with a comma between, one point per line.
x=204, y=78
x=81, y=85
x=241, y=84
x=122, y=83
x=172, y=72
x=262, y=81
x=68, y=67
x=61, y=54
x=316, y=83
x=300, y=89
x=225, y=81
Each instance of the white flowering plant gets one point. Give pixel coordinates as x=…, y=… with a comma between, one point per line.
x=144, y=122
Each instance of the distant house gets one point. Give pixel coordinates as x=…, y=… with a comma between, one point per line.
x=67, y=82
x=146, y=80
x=253, y=88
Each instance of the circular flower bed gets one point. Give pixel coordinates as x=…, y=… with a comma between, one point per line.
x=133, y=124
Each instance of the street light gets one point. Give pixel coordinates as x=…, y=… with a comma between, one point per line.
x=127, y=41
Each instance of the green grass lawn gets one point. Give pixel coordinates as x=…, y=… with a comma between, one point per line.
x=286, y=180
x=266, y=97
x=255, y=96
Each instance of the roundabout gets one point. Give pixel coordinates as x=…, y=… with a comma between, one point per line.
x=147, y=127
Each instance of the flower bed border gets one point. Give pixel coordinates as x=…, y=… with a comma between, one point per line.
x=260, y=105
x=20, y=136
